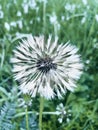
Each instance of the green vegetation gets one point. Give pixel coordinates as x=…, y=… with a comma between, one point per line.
x=72, y=21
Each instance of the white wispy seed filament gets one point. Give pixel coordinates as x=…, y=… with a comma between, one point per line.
x=46, y=68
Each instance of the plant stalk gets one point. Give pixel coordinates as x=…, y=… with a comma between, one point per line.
x=44, y=17
x=41, y=112
x=27, y=120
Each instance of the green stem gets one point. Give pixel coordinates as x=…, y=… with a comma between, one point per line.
x=41, y=112
x=27, y=123
x=44, y=17
x=55, y=29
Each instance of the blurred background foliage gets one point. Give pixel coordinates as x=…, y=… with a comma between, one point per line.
x=74, y=20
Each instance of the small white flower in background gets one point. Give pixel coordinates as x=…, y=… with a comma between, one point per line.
x=96, y=17
x=38, y=19
x=53, y=18
x=70, y=7
x=32, y=4
x=63, y=114
x=23, y=103
x=61, y=109
x=45, y=1
x=31, y=21
x=0, y=7
x=19, y=14
x=29, y=4
x=19, y=23
x=54, y=22
x=7, y=26
x=13, y=24
x=87, y=61
x=1, y=14
x=67, y=18
x=67, y=120
x=83, y=20
x=95, y=45
x=84, y=2
x=63, y=18
x=25, y=7
x=46, y=67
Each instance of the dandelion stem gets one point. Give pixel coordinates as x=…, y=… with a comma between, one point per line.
x=40, y=112
x=27, y=123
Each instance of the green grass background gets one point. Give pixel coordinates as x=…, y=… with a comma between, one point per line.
x=83, y=103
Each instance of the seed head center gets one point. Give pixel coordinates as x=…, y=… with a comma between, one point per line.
x=46, y=64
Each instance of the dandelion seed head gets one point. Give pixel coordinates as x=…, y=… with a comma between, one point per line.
x=45, y=64
x=46, y=67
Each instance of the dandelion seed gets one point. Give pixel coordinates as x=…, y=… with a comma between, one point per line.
x=46, y=67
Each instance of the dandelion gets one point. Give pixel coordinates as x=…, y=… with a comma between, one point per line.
x=46, y=68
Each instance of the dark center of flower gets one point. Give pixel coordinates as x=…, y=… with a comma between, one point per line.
x=46, y=64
